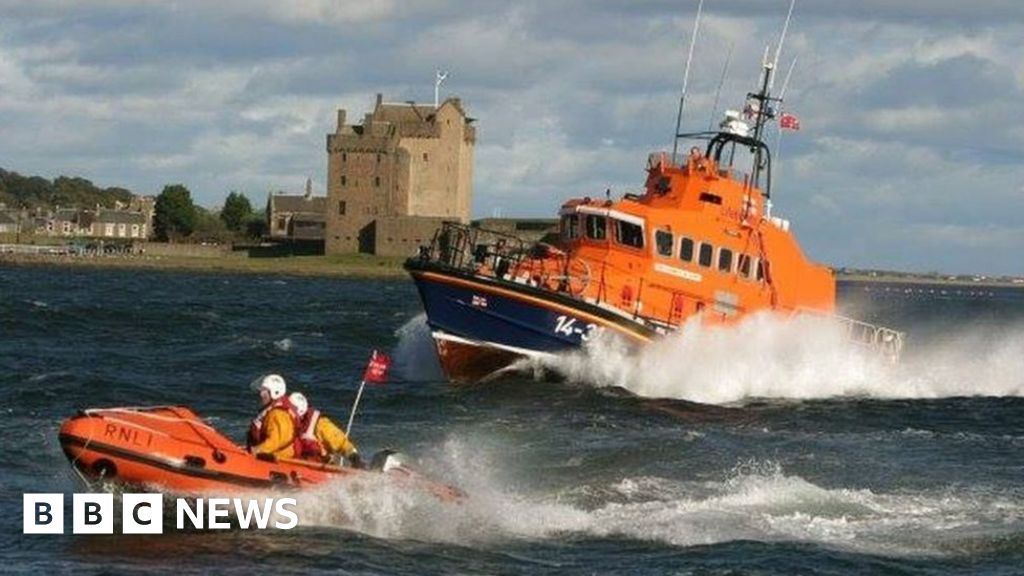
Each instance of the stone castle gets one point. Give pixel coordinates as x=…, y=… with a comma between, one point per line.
x=393, y=179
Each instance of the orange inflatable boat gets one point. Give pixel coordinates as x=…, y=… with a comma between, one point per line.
x=170, y=448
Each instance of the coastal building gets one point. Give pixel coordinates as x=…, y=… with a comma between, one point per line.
x=9, y=222
x=296, y=216
x=105, y=223
x=397, y=176
x=66, y=222
x=100, y=223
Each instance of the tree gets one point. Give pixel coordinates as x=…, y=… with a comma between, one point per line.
x=210, y=228
x=237, y=209
x=174, y=214
x=256, y=225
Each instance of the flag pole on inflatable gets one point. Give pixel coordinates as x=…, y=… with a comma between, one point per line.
x=376, y=373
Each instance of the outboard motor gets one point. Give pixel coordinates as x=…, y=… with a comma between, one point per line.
x=386, y=459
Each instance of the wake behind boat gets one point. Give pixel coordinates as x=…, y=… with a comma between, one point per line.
x=700, y=242
x=170, y=448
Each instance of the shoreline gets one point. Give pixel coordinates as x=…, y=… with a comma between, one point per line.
x=920, y=281
x=353, y=266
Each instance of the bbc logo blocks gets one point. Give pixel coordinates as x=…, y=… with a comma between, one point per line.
x=144, y=513
x=93, y=514
x=43, y=514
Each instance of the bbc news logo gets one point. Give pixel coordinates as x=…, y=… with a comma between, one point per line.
x=144, y=513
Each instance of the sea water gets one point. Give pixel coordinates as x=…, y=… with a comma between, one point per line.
x=771, y=448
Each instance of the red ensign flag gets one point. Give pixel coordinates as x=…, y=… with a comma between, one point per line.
x=377, y=369
x=789, y=122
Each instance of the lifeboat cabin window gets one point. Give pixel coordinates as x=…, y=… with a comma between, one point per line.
x=762, y=268
x=596, y=227
x=686, y=250
x=570, y=227
x=706, y=254
x=725, y=260
x=629, y=234
x=744, y=266
x=663, y=241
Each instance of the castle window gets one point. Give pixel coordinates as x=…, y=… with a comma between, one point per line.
x=378, y=158
x=425, y=157
x=343, y=180
x=663, y=241
x=341, y=208
x=344, y=157
x=376, y=181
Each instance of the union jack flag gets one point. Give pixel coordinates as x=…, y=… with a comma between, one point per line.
x=789, y=122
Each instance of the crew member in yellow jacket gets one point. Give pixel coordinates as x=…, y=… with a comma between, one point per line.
x=318, y=437
x=273, y=430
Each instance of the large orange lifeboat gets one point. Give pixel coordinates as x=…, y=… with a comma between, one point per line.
x=169, y=448
x=700, y=243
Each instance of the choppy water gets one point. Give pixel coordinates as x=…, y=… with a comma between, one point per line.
x=800, y=457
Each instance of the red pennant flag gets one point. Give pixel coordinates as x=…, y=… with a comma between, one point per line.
x=789, y=122
x=377, y=369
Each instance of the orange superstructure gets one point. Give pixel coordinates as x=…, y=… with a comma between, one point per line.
x=698, y=241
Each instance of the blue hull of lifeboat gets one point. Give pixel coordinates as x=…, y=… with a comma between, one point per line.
x=482, y=325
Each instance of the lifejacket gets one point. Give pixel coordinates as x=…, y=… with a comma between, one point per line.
x=256, y=435
x=306, y=444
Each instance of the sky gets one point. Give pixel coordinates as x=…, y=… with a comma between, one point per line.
x=909, y=154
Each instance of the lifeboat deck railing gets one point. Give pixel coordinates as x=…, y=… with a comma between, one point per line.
x=468, y=248
x=883, y=341
x=886, y=342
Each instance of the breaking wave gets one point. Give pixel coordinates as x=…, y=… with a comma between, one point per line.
x=415, y=355
x=803, y=358
x=754, y=501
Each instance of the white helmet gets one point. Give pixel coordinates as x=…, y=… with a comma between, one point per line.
x=270, y=387
x=299, y=402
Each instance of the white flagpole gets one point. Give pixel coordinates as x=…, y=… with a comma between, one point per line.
x=355, y=406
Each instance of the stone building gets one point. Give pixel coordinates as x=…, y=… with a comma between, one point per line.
x=393, y=179
x=296, y=217
x=106, y=223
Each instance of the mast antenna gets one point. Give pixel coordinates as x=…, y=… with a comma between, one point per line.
x=439, y=77
x=686, y=80
x=721, y=82
x=785, y=83
x=782, y=37
x=778, y=135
